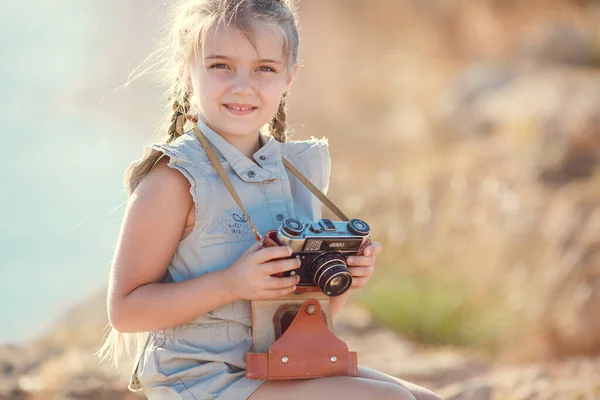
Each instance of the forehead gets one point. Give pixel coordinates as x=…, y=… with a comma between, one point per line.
x=262, y=41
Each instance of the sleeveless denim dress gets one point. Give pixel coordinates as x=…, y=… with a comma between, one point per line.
x=205, y=358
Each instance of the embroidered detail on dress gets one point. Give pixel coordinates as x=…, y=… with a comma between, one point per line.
x=235, y=226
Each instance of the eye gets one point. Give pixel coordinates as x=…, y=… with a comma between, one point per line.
x=219, y=66
x=265, y=68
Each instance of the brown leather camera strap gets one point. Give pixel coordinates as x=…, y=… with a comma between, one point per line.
x=215, y=162
x=223, y=175
x=315, y=190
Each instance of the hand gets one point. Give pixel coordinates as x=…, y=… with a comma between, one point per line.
x=362, y=267
x=250, y=277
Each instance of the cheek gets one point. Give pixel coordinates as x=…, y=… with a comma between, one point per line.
x=271, y=91
x=210, y=87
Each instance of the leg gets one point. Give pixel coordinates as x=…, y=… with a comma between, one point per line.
x=340, y=387
x=418, y=392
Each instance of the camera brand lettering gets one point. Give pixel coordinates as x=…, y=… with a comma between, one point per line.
x=337, y=244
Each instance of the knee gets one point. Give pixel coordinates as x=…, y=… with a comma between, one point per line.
x=395, y=392
x=426, y=395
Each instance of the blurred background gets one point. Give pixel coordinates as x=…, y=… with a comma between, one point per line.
x=466, y=132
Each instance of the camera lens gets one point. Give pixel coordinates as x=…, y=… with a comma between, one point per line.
x=337, y=281
x=329, y=272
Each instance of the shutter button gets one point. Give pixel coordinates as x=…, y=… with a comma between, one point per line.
x=280, y=217
x=251, y=174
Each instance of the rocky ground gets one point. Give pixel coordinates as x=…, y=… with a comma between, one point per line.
x=460, y=375
x=53, y=369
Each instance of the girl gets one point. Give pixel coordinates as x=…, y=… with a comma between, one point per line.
x=185, y=267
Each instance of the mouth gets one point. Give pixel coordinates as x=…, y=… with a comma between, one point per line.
x=239, y=109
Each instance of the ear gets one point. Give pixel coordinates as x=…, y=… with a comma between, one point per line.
x=291, y=78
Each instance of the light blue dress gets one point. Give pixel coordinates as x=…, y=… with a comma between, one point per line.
x=205, y=358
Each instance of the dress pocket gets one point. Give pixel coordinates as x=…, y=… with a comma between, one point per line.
x=223, y=255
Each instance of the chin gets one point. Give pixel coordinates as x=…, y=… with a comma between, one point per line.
x=241, y=129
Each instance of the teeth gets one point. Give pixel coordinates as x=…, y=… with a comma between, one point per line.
x=239, y=109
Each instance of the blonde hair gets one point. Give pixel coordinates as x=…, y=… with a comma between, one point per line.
x=190, y=21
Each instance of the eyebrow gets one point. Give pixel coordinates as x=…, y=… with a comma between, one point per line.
x=262, y=60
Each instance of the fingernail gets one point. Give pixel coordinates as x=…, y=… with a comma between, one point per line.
x=350, y=259
x=289, y=250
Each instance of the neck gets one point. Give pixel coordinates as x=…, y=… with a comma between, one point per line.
x=247, y=144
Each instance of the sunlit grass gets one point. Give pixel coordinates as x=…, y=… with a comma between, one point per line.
x=434, y=308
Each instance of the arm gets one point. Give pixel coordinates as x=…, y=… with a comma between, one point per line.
x=154, y=222
x=152, y=227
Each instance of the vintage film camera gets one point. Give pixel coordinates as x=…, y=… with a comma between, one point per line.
x=309, y=348
x=322, y=247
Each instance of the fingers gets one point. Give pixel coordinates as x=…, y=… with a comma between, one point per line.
x=277, y=287
x=366, y=271
x=373, y=248
x=359, y=282
x=252, y=249
x=276, y=266
x=270, y=294
x=360, y=261
x=270, y=253
x=274, y=283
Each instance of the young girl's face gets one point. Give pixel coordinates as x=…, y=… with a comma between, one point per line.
x=238, y=85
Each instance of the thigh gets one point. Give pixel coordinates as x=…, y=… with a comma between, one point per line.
x=343, y=387
x=418, y=392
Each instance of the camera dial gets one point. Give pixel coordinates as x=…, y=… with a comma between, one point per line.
x=316, y=228
x=292, y=227
x=358, y=227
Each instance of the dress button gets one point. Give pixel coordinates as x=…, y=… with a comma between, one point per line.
x=280, y=217
x=251, y=174
x=263, y=158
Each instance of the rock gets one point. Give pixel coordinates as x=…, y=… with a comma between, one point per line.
x=569, y=151
x=558, y=43
x=457, y=106
x=13, y=394
x=551, y=118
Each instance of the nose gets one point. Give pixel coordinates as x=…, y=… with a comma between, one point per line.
x=243, y=84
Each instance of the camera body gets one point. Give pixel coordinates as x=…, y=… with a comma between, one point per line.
x=322, y=247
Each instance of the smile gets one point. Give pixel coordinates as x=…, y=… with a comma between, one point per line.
x=239, y=109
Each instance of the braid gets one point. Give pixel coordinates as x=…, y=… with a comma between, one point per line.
x=179, y=117
x=278, y=125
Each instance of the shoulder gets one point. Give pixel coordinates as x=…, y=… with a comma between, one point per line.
x=184, y=150
x=163, y=181
x=311, y=157
x=302, y=148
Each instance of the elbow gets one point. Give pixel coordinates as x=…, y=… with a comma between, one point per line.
x=118, y=318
